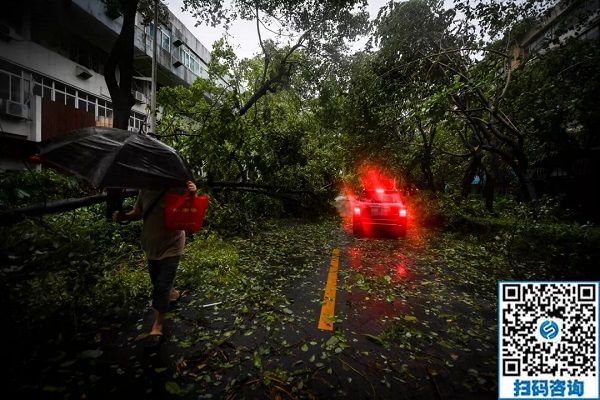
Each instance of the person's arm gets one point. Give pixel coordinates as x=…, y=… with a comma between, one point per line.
x=191, y=186
x=131, y=215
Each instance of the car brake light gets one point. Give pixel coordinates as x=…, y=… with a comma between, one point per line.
x=380, y=191
x=403, y=212
x=357, y=210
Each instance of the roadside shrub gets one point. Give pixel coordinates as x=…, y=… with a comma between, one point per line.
x=55, y=263
x=76, y=266
x=444, y=209
x=519, y=230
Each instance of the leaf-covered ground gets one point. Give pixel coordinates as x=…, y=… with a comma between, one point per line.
x=415, y=318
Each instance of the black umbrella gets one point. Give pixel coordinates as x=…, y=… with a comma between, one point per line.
x=115, y=158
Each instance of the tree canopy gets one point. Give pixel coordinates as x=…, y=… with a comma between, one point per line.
x=439, y=96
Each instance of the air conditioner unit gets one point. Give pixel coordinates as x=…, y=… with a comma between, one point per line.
x=14, y=109
x=82, y=73
x=139, y=97
x=178, y=38
x=176, y=61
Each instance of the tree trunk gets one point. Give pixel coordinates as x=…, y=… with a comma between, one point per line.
x=426, y=169
x=488, y=191
x=489, y=188
x=58, y=206
x=469, y=174
x=528, y=187
x=120, y=62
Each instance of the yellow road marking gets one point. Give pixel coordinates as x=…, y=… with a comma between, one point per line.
x=327, y=309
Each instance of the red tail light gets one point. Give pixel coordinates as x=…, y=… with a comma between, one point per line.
x=357, y=210
x=403, y=212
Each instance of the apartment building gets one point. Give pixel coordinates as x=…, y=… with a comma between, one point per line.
x=52, y=55
x=568, y=19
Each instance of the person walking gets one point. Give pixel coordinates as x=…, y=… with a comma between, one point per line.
x=163, y=249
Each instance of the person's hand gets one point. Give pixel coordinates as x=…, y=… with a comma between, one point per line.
x=191, y=186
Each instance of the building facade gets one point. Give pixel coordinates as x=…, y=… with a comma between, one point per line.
x=52, y=55
x=568, y=19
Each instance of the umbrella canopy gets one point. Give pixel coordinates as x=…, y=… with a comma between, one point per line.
x=115, y=158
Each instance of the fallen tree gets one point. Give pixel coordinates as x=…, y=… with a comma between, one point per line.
x=53, y=207
x=58, y=206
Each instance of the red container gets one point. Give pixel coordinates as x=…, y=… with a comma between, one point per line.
x=184, y=212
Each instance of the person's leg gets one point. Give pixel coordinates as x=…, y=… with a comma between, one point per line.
x=158, y=324
x=164, y=271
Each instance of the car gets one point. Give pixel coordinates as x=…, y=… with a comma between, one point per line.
x=379, y=209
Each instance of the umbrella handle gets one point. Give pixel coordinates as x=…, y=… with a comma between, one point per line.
x=114, y=201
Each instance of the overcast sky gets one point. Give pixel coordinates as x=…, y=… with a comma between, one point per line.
x=243, y=33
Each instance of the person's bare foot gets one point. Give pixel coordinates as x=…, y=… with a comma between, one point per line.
x=175, y=295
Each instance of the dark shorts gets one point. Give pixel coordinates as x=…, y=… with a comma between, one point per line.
x=162, y=275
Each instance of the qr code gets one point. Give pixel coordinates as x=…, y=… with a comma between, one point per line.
x=548, y=340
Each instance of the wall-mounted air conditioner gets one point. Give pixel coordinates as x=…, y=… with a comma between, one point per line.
x=13, y=109
x=176, y=60
x=139, y=97
x=82, y=73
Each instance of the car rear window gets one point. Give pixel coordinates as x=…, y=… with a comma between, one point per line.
x=388, y=196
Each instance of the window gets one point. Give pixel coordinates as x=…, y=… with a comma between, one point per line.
x=15, y=87
x=136, y=120
x=163, y=36
x=103, y=109
x=71, y=101
x=60, y=94
x=20, y=85
x=4, y=85
x=190, y=60
x=165, y=40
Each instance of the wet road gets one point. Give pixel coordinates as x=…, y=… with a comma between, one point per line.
x=406, y=323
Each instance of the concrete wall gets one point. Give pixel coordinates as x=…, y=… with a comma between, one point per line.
x=97, y=9
x=143, y=41
x=30, y=56
x=34, y=57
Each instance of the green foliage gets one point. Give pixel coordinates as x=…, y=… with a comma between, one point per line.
x=518, y=230
x=555, y=97
x=209, y=264
x=58, y=265
x=280, y=141
x=22, y=188
x=76, y=267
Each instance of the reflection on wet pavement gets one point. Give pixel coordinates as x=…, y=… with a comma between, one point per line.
x=430, y=331
x=408, y=324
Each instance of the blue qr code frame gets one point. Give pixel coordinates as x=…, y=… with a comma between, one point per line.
x=584, y=294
